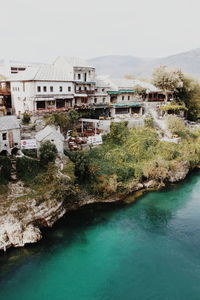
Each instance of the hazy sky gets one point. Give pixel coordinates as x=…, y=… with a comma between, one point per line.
x=40, y=30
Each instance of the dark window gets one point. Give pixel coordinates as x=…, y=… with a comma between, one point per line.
x=4, y=136
x=79, y=88
x=128, y=97
x=79, y=76
x=103, y=90
x=51, y=88
x=69, y=88
x=44, y=88
x=39, y=88
x=95, y=100
x=60, y=88
x=104, y=100
x=85, y=88
x=122, y=97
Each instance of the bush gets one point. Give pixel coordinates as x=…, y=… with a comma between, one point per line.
x=48, y=152
x=148, y=121
x=27, y=168
x=26, y=118
x=5, y=169
x=176, y=125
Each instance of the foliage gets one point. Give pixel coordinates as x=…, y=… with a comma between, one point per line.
x=5, y=169
x=28, y=168
x=176, y=125
x=118, y=133
x=26, y=118
x=48, y=152
x=30, y=152
x=173, y=107
x=122, y=162
x=65, y=120
x=148, y=121
x=139, y=90
x=167, y=79
x=189, y=94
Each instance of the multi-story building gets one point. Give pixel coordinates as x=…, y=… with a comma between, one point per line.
x=83, y=75
x=42, y=87
x=72, y=82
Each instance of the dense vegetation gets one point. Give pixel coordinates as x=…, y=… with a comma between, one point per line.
x=131, y=156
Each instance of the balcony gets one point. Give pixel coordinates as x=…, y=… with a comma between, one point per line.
x=88, y=92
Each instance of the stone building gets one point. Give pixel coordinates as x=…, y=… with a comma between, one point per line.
x=9, y=135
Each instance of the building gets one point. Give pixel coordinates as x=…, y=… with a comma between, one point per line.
x=42, y=87
x=9, y=135
x=83, y=74
x=50, y=133
x=72, y=83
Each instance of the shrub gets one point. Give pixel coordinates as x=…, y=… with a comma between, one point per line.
x=48, y=152
x=176, y=125
x=26, y=118
x=28, y=168
x=5, y=169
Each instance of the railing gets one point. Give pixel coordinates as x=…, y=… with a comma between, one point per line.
x=85, y=92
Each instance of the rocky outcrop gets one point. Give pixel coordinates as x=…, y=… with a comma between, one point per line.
x=21, y=218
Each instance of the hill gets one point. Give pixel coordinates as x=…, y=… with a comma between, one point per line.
x=118, y=66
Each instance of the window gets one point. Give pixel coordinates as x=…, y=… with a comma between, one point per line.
x=79, y=88
x=104, y=99
x=4, y=136
x=51, y=88
x=60, y=88
x=69, y=88
x=85, y=88
x=79, y=76
x=39, y=89
x=103, y=90
x=44, y=88
x=95, y=100
x=122, y=97
x=128, y=97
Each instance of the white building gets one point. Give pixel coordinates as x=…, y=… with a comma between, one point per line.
x=83, y=74
x=9, y=135
x=41, y=88
x=50, y=133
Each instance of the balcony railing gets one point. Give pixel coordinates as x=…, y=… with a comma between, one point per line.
x=85, y=92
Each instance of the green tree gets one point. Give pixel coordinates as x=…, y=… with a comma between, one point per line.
x=48, y=152
x=189, y=94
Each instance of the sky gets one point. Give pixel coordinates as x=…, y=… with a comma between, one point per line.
x=41, y=30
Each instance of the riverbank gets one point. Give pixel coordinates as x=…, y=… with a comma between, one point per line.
x=21, y=221
x=128, y=163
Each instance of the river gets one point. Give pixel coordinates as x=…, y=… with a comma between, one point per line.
x=146, y=250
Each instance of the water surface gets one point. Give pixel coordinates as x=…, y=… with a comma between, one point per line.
x=146, y=250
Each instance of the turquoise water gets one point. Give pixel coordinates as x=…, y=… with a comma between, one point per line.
x=146, y=250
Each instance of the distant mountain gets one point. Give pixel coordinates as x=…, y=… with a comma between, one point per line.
x=118, y=66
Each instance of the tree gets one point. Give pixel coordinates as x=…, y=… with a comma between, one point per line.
x=140, y=91
x=48, y=152
x=189, y=94
x=167, y=79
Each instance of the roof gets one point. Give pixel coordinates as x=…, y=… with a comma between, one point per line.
x=43, y=73
x=73, y=61
x=47, y=131
x=9, y=122
x=117, y=84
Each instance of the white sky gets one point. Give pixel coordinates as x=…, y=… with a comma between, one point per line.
x=40, y=30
